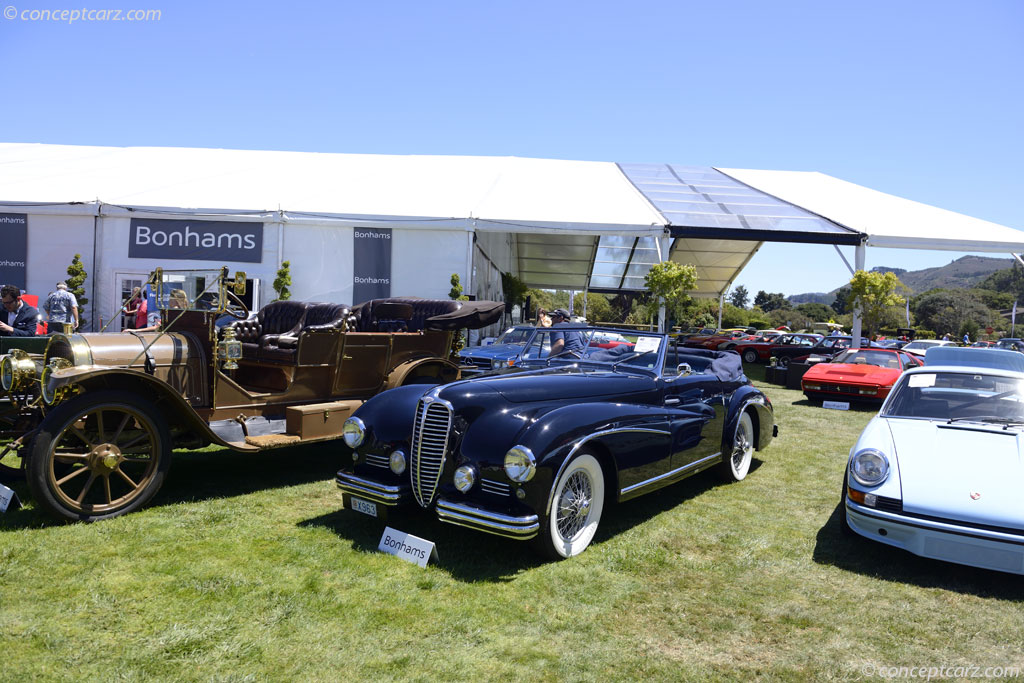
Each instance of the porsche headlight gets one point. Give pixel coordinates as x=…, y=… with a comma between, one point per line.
x=520, y=465
x=464, y=478
x=869, y=467
x=353, y=432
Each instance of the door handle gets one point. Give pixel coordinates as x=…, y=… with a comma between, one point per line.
x=671, y=401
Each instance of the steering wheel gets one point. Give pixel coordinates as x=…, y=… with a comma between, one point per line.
x=236, y=308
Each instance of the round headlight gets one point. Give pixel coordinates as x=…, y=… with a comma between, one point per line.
x=520, y=465
x=869, y=467
x=6, y=373
x=397, y=462
x=464, y=478
x=495, y=364
x=353, y=432
x=44, y=381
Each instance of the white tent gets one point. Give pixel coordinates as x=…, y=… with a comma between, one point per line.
x=576, y=224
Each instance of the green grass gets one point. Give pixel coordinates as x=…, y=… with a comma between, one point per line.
x=244, y=568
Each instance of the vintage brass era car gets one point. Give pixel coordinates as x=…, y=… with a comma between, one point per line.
x=537, y=451
x=93, y=420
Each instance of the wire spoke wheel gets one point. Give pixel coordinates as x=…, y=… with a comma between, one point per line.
x=736, y=463
x=577, y=501
x=97, y=458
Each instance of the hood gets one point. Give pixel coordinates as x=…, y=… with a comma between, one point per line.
x=567, y=384
x=493, y=351
x=941, y=466
x=853, y=372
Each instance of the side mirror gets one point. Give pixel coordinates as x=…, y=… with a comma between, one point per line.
x=684, y=369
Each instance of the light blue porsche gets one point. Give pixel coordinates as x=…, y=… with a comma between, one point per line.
x=939, y=471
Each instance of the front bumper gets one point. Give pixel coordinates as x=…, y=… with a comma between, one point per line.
x=461, y=514
x=945, y=541
x=384, y=494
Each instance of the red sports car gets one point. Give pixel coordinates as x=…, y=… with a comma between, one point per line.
x=755, y=351
x=857, y=375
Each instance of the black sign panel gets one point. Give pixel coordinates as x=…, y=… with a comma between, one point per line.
x=196, y=240
x=14, y=253
x=371, y=264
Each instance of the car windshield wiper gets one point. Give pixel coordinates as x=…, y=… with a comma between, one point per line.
x=1006, y=421
x=629, y=357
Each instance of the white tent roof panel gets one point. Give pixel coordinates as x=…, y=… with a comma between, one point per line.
x=887, y=220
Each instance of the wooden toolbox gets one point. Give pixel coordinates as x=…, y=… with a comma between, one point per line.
x=319, y=420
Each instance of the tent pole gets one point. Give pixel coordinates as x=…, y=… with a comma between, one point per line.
x=663, y=247
x=858, y=261
x=721, y=303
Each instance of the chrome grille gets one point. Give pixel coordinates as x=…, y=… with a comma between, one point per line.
x=498, y=488
x=378, y=460
x=430, y=435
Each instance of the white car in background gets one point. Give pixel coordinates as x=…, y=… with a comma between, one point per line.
x=919, y=347
x=938, y=472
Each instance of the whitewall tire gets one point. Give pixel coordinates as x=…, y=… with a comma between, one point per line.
x=577, y=501
x=740, y=451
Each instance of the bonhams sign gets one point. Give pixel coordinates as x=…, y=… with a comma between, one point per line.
x=371, y=264
x=196, y=240
x=14, y=237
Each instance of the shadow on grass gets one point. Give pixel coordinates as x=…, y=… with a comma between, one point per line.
x=474, y=556
x=211, y=474
x=881, y=561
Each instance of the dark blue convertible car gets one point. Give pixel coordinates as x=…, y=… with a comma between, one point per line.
x=535, y=451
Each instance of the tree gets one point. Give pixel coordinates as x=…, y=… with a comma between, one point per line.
x=456, y=291
x=841, y=304
x=771, y=302
x=283, y=281
x=515, y=290
x=739, y=297
x=76, y=285
x=878, y=295
x=670, y=281
x=953, y=311
x=598, y=307
x=816, y=312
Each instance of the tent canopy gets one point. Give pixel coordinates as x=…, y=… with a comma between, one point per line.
x=578, y=224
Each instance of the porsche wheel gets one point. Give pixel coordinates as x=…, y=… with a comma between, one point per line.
x=99, y=455
x=576, y=503
x=750, y=356
x=784, y=361
x=736, y=463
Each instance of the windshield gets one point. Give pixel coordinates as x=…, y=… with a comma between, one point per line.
x=883, y=359
x=195, y=290
x=921, y=344
x=516, y=335
x=598, y=346
x=958, y=396
x=1011, y=344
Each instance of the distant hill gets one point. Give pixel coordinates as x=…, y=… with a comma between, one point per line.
x=964, y=272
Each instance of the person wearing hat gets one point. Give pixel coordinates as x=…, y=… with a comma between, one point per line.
x=568, y=342
x=61, y=309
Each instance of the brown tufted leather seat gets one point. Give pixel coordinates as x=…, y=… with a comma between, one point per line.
x=260, y=335
x=376, y=314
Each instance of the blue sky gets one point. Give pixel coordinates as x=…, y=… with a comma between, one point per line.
x=921, y=99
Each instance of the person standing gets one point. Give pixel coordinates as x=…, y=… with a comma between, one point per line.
x=61, y=308
x=18, y=318
x=131, y=307
x=967, y=339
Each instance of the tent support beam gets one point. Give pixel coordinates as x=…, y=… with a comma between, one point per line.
x=721, y=303
x=858, y=259
x=664, y=242
x=848, y=266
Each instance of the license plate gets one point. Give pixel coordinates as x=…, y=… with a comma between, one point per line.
x=364, y=506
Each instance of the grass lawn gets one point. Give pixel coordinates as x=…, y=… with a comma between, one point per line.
x=244, y=568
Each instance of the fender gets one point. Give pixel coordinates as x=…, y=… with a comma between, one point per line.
x=442, y=370
x=177, y=410
x=389, y=415
x=764, y=427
